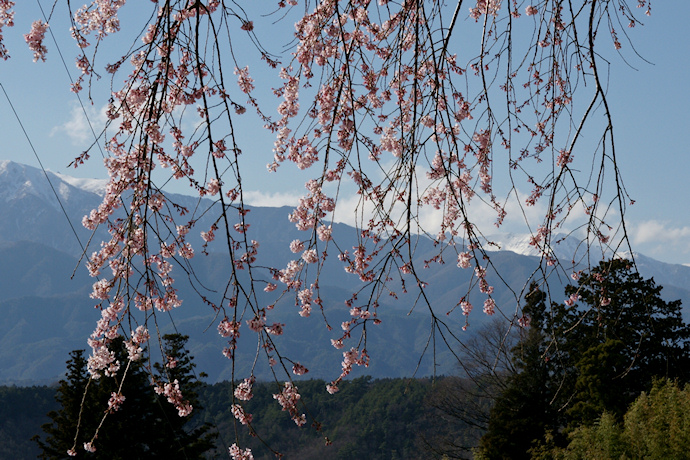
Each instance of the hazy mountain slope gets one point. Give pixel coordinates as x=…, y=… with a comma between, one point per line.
x=44, y=314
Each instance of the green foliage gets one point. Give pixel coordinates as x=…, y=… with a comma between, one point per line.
x=382, y=419
x=22, y=411
x=616, y=340
x=587, y=357
x=658, y=424
x=595, y=391
x=656, y=427
x=603, y=440
x=373, y=419
x=145, y=426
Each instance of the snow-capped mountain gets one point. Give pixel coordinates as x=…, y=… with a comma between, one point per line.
x=96, y=186
x=18, y=181
x=31, y=206
x=565, y=247
x=45, y=314
x=568, y=248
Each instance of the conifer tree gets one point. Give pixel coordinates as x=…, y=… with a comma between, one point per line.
x=615, y=338
x=179, y=367
x=523, y=412
x=144, y=425
x=62, y=432
x=594, y=353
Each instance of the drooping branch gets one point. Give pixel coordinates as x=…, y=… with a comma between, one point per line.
x=429, y=116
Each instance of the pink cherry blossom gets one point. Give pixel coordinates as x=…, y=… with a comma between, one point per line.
x=296, y=246
x=310, y=256
x=6, y=19
x=298, y=369
x=243, y=417
x=570, y=301
x=35, y=39
x=245, y=82
x=244, y=390
x=375, y=116
x=116, y=399
x=238, y=454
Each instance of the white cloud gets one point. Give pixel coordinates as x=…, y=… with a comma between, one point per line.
x=661, y=240
x=258, y=198
x=652, y=231
x=82, y=123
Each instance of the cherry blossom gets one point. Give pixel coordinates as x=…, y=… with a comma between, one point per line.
x=382, y=110
x=288, y=399
x=244, y=390
x=238, y=454
x=6, y=19
x=35, y=39
x=116, y=399
x=531, y=10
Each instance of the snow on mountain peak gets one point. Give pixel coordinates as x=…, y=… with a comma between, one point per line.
x=18, y=180
x=96, y=186
x=565, y=247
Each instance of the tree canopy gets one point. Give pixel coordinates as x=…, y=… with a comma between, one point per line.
x=139, y=423
x=594, y=353
x=655, y=426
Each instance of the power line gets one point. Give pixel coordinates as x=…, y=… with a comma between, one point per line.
x=45, y=173
x=69, y=75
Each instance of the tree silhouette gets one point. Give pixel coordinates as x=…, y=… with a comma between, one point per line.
x=143, y=426
x=595, y=353
x=523, y=412
x=616, y=338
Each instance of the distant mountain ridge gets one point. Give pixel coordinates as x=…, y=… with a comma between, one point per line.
x=570, y=248
x=45, y=313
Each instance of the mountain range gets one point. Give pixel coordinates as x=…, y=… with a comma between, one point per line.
x=46, y=311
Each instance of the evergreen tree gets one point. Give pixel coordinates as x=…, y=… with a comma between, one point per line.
x=615, y=340
x=179, y=367
x=522, y=413
x=594, y=353
x=62, y=433
x=142, y=427
x=656, y=426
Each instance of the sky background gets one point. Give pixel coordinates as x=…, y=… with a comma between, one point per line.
x=649, y=102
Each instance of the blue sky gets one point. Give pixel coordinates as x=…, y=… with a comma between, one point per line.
x=649, y=101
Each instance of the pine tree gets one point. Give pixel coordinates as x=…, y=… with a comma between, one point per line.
x=523, y=413
x=62, y=432
x=595, y=353
x=615, y=340
x=145, y=425
x=180, y=366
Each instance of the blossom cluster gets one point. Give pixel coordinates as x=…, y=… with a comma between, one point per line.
x=371, y=100
x=288, y=399
x=171, y=391
x=35, y=40
x=6, y=19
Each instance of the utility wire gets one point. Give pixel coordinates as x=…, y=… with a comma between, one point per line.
x=45, y=173
x=69, y=75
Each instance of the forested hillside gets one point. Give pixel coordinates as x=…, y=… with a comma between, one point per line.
x=22, y=412
x=374, y=419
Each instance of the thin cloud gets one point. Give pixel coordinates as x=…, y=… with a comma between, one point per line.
x=655, y=231
x=661, y=240
x=276, y=200
x=80, y=126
